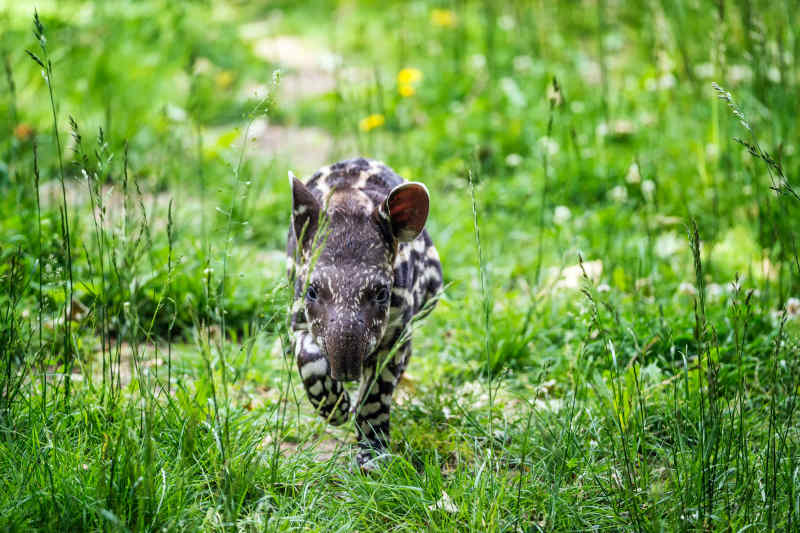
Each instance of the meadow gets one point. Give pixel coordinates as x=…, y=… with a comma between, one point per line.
x=614, y=197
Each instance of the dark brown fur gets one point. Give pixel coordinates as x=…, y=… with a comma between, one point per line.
x=357, y=286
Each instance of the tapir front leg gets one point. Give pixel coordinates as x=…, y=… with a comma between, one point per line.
x=327, y=395
x=375, y=402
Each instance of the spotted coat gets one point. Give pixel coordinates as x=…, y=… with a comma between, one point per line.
x=363, y=268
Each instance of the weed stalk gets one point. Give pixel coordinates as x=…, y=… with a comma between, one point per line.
x=47, y=73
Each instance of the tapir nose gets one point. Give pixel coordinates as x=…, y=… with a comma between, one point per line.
x=345, y=346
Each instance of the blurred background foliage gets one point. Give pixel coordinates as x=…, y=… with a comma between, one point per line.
x=590, y=130
x=589, y=127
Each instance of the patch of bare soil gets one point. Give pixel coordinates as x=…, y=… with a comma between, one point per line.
x=322, y=448
x=307, y=149
x=307, y=70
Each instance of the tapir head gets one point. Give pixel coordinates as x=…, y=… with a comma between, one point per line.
x=346, y=254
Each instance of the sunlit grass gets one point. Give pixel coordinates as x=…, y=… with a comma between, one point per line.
x=617, y=345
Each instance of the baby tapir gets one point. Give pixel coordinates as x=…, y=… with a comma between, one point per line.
x=362, y=266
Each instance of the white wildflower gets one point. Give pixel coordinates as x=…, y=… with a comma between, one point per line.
x=506, y=22
x=714, y=291
x=444, y=504
x=571, y=276
x=549, y=145
x=740, y=73
x=665, y=61
x=793, y=307
x=618, y=193
x=633, y=175
x=513, y=160
x=667, y=244
x=603, y=287
x=258, y=128
x=456, y=107
x=613, y=41
x=648, y=188
x=512, y=92
x=523, y=63
x=590, y=71
x=477, y=61
x=704, y=70
x=561, y=215
x=175, y=113
x=202, y=65
x=687, y=288
x=667, y=81
x=622, y=127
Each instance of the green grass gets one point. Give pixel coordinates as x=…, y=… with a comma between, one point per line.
x=617, y=347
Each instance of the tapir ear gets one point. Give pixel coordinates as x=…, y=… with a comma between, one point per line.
x=406, y=209
x=305, y=212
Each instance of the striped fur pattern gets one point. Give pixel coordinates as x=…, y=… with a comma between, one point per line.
x=362, y=267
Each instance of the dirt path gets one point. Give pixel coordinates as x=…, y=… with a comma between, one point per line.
x=307, y=71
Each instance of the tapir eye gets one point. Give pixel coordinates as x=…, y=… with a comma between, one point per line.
x=382, y=295
x=311, y=293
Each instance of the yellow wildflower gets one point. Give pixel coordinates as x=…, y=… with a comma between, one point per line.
x=406, y=90
x=409, y=75
x=444, y=18
x=224, y=79
x=371, y=122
